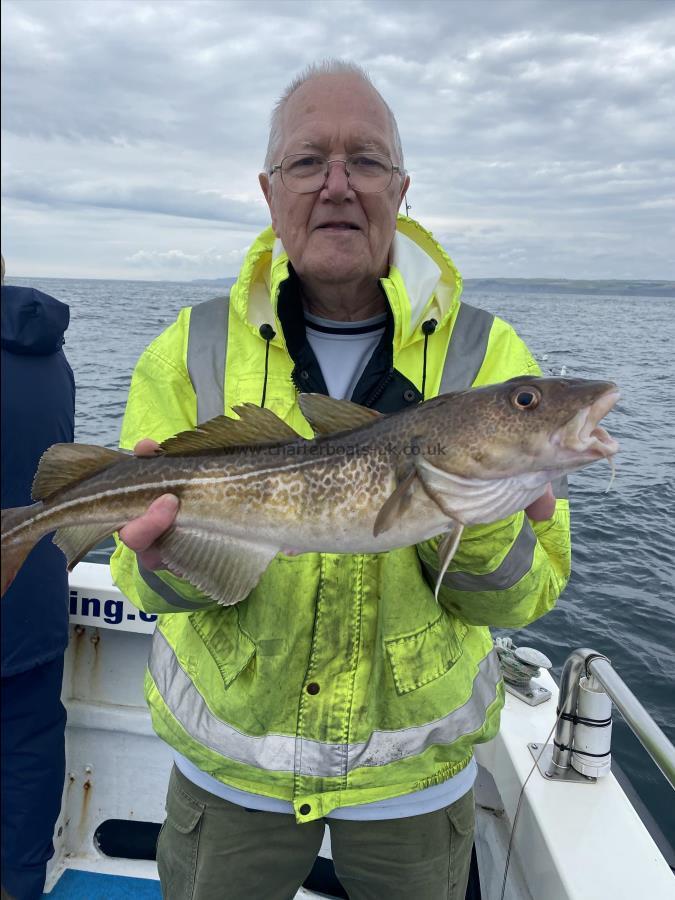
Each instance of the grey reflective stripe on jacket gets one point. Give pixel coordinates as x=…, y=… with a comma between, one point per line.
x=207, y=350
x=206, y=353
x=515, y=565
x=287, y=753
x=166, y=592
x=466, y=352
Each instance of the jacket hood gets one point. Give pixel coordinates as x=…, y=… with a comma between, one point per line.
x=422, y=283
x=33, y=323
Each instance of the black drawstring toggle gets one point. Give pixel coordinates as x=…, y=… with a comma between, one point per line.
x=267, y=333
x=428, y=328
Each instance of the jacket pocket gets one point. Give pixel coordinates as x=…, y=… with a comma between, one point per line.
x=229, y=646
x=182, y=811
x=462, y=813
x=424, y=655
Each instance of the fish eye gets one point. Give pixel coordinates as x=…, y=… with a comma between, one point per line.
x=526, y=398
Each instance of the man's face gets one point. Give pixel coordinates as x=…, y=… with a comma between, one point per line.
x=334, y=116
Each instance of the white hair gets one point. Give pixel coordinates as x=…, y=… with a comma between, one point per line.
x=325, y=67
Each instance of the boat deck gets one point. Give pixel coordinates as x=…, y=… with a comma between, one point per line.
x=77, y=885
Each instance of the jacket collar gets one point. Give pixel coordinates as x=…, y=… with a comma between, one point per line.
x=422, y=283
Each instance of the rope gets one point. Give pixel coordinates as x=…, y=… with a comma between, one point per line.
x=561, y=706
x=515, y=671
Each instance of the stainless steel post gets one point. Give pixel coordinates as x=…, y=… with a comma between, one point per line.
x=575, y=666
x=636, y=716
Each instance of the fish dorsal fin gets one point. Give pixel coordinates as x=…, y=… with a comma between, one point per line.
x=63, y=465
x=263, y=424
x=327, y=415
x=255, y=425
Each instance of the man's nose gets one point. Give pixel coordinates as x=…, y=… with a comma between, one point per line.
x=337, y=184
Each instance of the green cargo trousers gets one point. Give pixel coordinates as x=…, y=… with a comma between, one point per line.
x=209, y=849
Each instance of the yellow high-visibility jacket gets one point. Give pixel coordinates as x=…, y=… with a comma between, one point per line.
x=340, y=680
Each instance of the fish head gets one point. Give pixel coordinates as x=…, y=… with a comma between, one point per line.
x=529, y=424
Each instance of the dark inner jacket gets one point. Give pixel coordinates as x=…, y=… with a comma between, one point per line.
x=380, y=387
x=38, y=409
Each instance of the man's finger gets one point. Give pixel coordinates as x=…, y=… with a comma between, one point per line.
x=151, y=559
x=146, y=447
x=141, y=533
x=542, y=508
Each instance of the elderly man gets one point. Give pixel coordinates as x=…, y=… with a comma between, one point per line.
x=339, y=691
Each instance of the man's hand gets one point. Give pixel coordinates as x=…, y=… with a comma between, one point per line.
x=542, y=508
x=142, y=533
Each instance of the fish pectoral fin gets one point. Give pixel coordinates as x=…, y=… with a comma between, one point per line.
x=255, y=425
x=446, y=550
x=63, y=465
x=75, y=541
x=225, y=568
x=433, y=481
x=327, y=415
x=396, y=505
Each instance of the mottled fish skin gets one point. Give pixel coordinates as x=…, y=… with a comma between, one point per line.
x=414, y=473
x=292, y=487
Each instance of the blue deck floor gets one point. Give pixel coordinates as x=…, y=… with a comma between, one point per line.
x=74, y=885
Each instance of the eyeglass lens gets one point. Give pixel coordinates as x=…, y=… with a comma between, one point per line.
x=368, y=173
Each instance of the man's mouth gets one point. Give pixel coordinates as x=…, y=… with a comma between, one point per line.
x=338, y=226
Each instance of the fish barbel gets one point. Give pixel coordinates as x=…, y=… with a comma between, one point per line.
x=251, y=487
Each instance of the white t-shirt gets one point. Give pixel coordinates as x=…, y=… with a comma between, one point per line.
x=343, y=350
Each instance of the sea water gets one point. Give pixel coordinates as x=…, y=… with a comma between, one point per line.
x=621, y=597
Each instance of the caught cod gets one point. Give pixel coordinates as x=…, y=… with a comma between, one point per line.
x=251, y=487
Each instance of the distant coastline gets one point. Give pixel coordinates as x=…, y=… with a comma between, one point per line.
x=573, y=286
x=619, y=287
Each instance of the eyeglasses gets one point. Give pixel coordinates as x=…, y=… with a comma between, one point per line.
x=367, y=173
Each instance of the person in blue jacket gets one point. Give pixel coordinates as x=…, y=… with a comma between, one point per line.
x=38, y=407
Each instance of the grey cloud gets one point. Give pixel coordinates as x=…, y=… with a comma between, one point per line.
x=529, y=126
x=209, y=205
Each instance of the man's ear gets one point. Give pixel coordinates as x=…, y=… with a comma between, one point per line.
x=266, y=187
x=264, y=182
x=404, y=189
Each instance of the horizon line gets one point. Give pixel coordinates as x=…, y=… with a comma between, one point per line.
x=232, y=278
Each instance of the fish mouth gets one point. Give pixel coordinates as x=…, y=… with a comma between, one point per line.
x=583, y=436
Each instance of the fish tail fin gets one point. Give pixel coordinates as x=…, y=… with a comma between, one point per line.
x=15, y=546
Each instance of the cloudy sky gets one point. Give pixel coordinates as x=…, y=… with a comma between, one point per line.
x=539, y=134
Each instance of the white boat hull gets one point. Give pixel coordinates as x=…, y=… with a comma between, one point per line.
x=572, y=841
